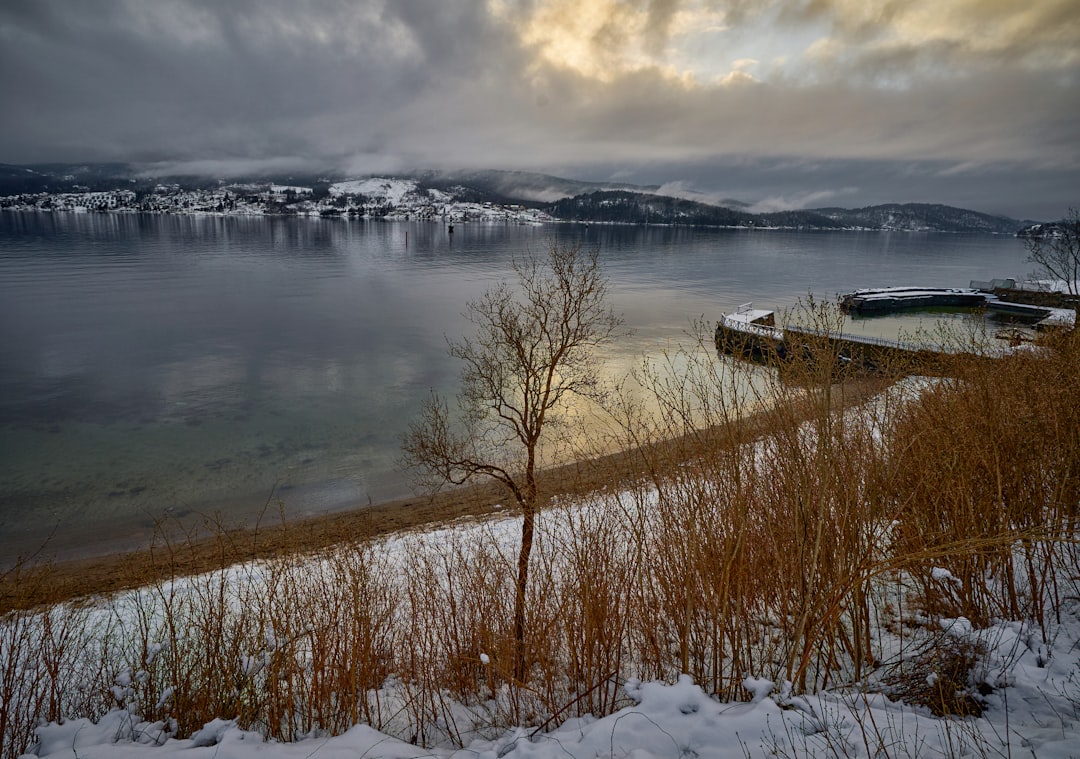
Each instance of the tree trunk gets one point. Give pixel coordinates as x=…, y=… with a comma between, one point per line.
x=527, y=523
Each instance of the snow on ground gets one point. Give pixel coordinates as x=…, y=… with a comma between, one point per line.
x=1031, y=682
x=1060, y=317
x=1032, y=709
x=1036, y=714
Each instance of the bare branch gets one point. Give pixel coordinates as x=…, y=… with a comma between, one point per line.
x=534, y=346
x=1056, y=250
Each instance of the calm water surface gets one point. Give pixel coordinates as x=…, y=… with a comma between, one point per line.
x=154, y=365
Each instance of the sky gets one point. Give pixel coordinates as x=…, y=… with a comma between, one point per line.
x=778, y=103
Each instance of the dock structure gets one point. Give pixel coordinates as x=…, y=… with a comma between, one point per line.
x=888, y=299
x=862, y=352
x=752, y=333
x=875, y=302
x=1042, y=317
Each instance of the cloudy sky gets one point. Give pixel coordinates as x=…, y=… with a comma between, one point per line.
x=781, y=103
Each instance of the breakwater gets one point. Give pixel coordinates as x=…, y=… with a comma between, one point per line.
x=796, y=345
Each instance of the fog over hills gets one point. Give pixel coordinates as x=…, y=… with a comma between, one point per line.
x=455, y=195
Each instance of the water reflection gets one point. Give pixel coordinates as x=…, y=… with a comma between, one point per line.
x=153, y=363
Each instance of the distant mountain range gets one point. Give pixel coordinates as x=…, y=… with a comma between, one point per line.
x=454, y=194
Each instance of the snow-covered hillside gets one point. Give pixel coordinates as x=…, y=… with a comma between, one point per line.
x=374, y=197
x=515, y=197
x=395, y=191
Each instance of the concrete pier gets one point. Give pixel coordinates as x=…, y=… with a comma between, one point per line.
x=789, y=345
x=889, y=299
x=752, y=333
x=885, y=300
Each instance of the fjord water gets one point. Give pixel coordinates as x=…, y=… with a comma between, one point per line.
x=157, y=365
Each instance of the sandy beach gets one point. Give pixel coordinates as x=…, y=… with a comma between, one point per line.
x=200, y=547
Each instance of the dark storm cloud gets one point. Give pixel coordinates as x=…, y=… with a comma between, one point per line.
x=980, y=97
x=172, y=80
x=777, y=183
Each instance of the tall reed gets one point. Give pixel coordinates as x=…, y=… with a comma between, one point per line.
x=987, y=467
x=754, y=524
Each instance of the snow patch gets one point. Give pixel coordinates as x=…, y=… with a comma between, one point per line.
x=392, y=190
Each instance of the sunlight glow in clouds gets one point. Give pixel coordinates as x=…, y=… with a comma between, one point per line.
x=825, y=39
x=605, y=39
x=597, y=40
x=556, y=86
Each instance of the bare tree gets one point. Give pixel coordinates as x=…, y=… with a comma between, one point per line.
x=535, y=346
x=1057, y=250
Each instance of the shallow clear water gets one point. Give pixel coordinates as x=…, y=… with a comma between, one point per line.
x=154, y=365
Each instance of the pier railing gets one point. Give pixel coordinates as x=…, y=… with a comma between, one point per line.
x=761, y=330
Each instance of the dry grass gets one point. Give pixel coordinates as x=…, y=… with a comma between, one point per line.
x=715, y=544
x=990, y=459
